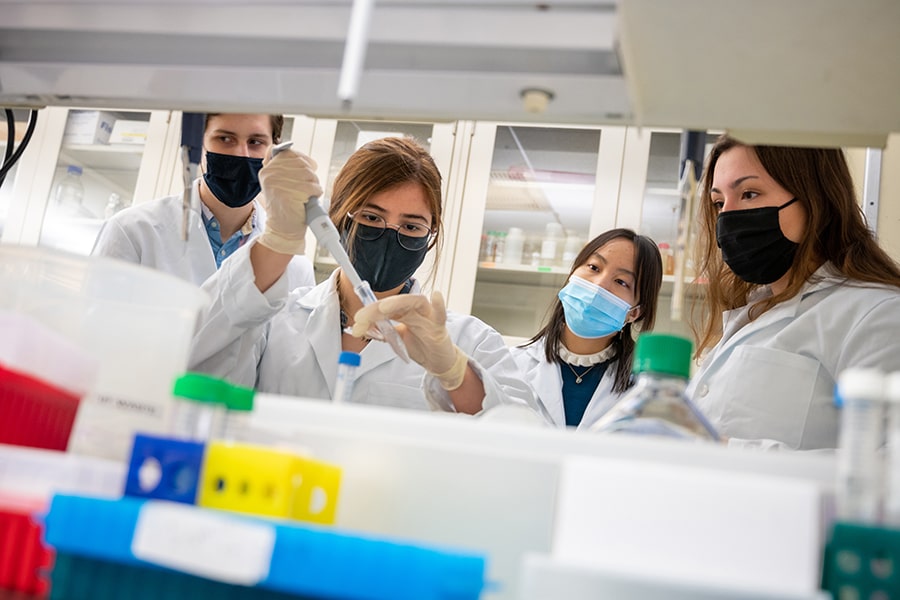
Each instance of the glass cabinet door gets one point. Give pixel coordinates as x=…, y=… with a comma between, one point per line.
x=334, y=141
x=651, y=203
x=107, y=160
x=537, y=195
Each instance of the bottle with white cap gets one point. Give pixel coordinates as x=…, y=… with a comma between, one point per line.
x=860, y=396
x=514, y=246
x=551, y=246
x=892, y=478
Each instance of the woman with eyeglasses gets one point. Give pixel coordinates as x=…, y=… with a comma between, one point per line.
x=386, y=204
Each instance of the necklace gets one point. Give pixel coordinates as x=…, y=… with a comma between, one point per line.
x=578, y=377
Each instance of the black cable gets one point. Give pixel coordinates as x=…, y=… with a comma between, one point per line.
x=10, y=139
x=7, y=165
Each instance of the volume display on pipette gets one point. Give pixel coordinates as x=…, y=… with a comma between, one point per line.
x=327, y=234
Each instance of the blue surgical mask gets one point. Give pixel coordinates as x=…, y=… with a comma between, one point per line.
x=234, y=180
x=592, y=311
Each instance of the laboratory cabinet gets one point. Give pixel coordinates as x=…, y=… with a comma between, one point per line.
x=534, y=195
x=520, y=200
x=109, y=158
x=118, y=158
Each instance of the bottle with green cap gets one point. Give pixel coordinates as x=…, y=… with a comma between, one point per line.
x=199, y=407
x=239, y=405
x=657, y=404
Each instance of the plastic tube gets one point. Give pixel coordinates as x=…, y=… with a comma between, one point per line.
x=892, y=479
x=859, y=462
x=348, y=364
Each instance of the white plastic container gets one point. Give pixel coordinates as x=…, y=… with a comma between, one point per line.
x=138, y=322
x=571, y=249
x=551, y=246
x=515, y=246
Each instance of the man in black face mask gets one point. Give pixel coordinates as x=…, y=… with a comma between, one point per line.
x=227, y=213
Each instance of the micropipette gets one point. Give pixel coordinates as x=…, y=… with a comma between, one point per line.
x=327, y=234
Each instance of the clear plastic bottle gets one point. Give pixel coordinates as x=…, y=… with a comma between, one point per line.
x=860, y=396
x=199, y=408
x=348, y=364
x=490, y=246
x=892, y=479
x=657, y=404
x=668, y=258
x=239, y=405
x=70, y=193
x=500, y=247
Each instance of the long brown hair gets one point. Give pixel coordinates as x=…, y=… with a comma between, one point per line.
x=380, y=165
x=836, y=231
x=648, y=272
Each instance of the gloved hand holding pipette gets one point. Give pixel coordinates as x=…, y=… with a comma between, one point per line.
x=422, y=325
x=294, y=190
x=288, y=180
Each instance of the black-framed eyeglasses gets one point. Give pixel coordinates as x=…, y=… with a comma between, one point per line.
x=410, y=235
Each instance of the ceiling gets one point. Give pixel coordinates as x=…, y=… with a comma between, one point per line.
x=802, y=71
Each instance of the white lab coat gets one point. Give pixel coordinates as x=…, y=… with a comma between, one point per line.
x=770, y=382
x=149, y=234
x=546, y=382
x=289, y=344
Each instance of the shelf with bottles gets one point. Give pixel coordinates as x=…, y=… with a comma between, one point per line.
x=113, y=157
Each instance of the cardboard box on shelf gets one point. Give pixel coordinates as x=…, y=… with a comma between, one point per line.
x=129, y=132
x=88, y=127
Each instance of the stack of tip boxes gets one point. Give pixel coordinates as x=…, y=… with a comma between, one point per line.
x=227, y=475
x=162, y=539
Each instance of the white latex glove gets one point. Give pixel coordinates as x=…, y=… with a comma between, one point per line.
x=287, y=182
x=421, y=324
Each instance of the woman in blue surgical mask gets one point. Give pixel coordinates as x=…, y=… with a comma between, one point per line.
x=386, y=205
x=798, y=291
x=579, y=364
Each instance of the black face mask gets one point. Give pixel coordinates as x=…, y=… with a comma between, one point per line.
x=383, y=262
x=234, y=180
x=753, y=245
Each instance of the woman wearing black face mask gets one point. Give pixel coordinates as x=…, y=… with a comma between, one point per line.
x=798, y=291
x=386, y=204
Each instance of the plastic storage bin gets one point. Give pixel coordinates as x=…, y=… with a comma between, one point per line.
x=43, y=377
x=24, y=559
x=137, y=322
x=35, y=413
x=314, y=562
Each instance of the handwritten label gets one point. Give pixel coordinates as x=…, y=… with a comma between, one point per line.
x=203, y=543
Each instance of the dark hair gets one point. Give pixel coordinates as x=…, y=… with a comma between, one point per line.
x=277, y=122
x=836, y=231
x=380, y=165
x=648, y=271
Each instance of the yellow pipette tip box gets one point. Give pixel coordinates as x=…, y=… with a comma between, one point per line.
x=269, y=482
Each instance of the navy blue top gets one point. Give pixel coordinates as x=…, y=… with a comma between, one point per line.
x=576, y=396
